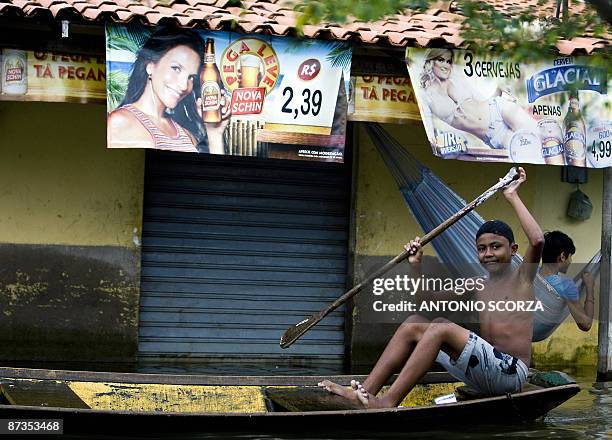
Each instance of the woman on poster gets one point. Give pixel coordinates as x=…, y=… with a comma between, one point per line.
x=495, y=121
x=162, y=108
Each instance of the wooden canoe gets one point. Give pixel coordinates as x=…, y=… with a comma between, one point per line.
x=120, y=403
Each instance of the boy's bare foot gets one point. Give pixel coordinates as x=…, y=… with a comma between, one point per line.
x=351, y=394
x=369, y=400
x=357, y=394
x=362, y=394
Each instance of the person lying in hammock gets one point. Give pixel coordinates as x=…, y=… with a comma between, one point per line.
x=556, y=259
x=494, y=362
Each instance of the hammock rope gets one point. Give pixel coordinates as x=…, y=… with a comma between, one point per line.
x=431, y=201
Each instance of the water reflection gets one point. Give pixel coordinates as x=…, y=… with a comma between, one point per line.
x=240, y=369
x=589, y=413
x=215, y=369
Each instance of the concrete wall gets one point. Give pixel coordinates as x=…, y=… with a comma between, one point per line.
x=70, y=220
x=384, y=224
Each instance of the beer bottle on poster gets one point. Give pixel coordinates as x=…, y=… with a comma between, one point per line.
x=210, y=78
x=575, y=133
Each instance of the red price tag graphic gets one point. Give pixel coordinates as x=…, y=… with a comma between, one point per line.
x=309, y=69
x=248, y=100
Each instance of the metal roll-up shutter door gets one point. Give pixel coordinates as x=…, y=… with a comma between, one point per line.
x=235, y=250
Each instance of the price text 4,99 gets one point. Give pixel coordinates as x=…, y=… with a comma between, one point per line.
x=604, y=150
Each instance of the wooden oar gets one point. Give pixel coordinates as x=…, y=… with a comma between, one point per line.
x=297, y=330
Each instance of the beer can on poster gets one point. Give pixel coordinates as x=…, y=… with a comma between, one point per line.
x=14, y=72
x=525, y=147
x=551, y=136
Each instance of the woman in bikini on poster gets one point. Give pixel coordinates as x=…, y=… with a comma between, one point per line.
x=162, y=108
x=499, y=122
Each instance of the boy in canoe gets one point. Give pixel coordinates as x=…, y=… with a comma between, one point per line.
x=494, y=362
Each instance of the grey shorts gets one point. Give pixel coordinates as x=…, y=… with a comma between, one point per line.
x=482, y=367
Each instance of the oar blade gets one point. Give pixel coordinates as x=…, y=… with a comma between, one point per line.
x=294, y=332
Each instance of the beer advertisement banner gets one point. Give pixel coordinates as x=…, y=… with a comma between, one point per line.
x=52, y=76
x=487, y=107
x=382, y=98
x=225, y=93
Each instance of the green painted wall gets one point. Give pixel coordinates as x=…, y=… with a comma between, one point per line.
x=70, y=222
x=384, y=224
x=59, y=184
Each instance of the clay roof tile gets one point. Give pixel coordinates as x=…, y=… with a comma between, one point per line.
x=441, y=24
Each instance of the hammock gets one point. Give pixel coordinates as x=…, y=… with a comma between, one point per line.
x=431, y=201
x=555, y=308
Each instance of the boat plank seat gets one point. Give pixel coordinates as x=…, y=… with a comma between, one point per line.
x=308, y=399
x=40, y=393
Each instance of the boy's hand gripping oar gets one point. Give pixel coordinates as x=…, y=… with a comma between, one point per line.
x=297, y=330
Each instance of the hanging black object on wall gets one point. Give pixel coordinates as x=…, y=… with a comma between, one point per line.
x=579, y=206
